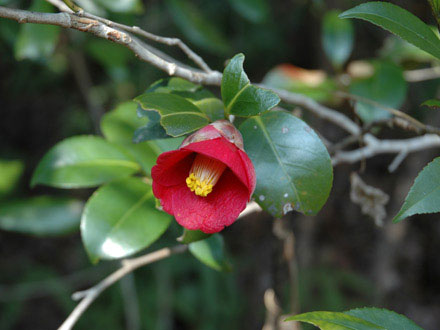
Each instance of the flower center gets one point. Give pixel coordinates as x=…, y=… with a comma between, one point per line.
x=204, y=174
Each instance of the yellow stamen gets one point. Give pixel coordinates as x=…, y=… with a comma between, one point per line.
x=204, y=174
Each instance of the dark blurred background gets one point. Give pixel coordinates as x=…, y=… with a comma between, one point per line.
x=58, y=83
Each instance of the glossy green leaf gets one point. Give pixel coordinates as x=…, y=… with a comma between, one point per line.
x=210, y=251
x=121, y=219
x=239, y=96
x=335, y=321
x=384, y=318
x=120, y=124
x=398, y=50
x=152, y=130
x=10, y=173
x=83, y=161
x=41, y=216
x=387, y=87
x=211, y=106
x=197, y=28
x=424, y=195
x=293, y=167
x=432, y=103
x=337, y=38
x=178, y=115
x=190, y=236
x=255, y=11
x=398, y=21
x=37, y=41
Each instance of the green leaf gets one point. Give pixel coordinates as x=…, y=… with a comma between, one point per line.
x=239, y=96
x=398, y=21
x=119, y=125
x=432, y=103
x=83, y=161
x=10, y=173
x=210, y=251
x=211, y=106
x=293, y=167
x=335, y=321
x=337, y=38
x=424, y=195
x=196, y=27
x=387, y=87
x=255, y=11
x=37, y=41
x=190, y=236
x=398, y=50
x=384, y=318
x=125, y=6
x=178, y=115
x=121, y=219
x=153, y=130
x=41, y=216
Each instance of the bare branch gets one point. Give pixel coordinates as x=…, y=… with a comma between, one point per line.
x=128, y=266
x=321, y=111
x=163, y=40
x=375, y=147
x=422, y=74
x=118, y=36
x=420, y=127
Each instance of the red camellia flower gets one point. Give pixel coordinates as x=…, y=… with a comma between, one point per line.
x=208, y=181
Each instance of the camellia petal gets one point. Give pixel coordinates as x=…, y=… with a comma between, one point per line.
x=208, y=181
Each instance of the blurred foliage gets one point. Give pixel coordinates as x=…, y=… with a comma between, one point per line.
x=41, y=104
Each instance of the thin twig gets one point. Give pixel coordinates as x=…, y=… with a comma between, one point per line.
x=118, y=36
x=414, y=122
x=163, y=40
x=422, y=74
x=128, y=266
x=387, y=146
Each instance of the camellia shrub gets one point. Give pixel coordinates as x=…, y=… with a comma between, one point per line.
x=177, y=152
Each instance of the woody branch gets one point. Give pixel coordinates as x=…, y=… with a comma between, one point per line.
x=125, y=35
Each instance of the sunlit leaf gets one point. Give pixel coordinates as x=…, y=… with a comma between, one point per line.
x=121, y=219
x=335, y=321
x=83, y=161
x=432, y=103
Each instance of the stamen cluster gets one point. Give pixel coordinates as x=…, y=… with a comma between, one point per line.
x=204, y=174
